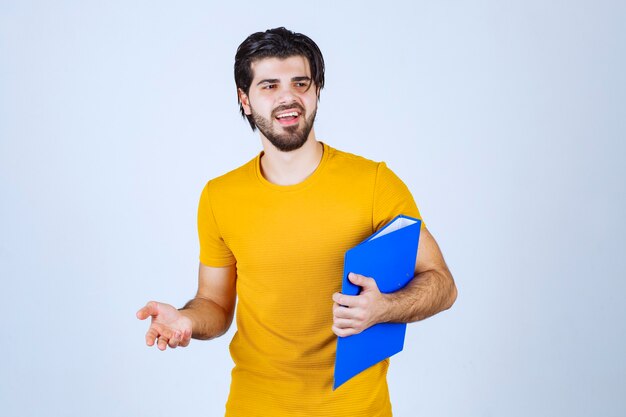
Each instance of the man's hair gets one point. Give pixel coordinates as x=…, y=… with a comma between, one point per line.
x=275, y=43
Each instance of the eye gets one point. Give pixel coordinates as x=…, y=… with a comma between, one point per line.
x=268, y=86
x=301, y=84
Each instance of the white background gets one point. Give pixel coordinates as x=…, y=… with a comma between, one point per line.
x=505, y=118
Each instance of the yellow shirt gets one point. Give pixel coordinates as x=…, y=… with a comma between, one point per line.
x=288, y=243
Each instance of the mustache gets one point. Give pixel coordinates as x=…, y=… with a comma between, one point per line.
x=284, y=107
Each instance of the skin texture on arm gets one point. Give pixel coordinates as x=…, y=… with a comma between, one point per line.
x=206, y=316
x=431, y=291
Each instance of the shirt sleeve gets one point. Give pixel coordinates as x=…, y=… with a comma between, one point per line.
x=213, y=250
x=391, y=198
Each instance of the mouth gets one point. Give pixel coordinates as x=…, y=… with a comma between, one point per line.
x=288, y=117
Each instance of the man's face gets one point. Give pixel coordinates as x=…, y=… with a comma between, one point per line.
x=282, y=101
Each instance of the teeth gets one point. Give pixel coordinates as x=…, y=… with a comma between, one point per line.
x=293, y=113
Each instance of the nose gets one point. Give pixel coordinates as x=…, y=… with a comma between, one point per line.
x=286, y=95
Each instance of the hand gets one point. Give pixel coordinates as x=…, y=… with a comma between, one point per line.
x=169, y=326
x=354, y=313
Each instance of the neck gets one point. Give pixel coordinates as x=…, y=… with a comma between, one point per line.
x=290, y=168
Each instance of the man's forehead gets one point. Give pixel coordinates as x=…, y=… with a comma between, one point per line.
x=293, y=66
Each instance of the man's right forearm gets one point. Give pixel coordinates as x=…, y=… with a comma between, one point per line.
x=209, y=320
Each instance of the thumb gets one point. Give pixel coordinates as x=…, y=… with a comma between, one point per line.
x=365, y=282
x=150, y=309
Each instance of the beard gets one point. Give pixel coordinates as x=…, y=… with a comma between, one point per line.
x=291, y=137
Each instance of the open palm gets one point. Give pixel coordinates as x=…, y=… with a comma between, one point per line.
x=169, y=327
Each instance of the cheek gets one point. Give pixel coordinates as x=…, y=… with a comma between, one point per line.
x=253, y=103
x=310, y=103
x=311, y=108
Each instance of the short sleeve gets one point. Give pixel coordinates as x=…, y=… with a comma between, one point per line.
x=391, y=198
x=213, y=250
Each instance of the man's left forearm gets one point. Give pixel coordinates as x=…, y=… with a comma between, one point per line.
x=427, y=294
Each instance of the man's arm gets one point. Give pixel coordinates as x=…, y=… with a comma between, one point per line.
x=431, y=291
x=207, y=316
x=212, y=309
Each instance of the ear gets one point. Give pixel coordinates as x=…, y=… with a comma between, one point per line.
x=245, y=101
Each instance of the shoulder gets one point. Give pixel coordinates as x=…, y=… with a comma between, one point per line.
x=364, y=170
x=359, y=167
x=353, y=163
x=234, y=179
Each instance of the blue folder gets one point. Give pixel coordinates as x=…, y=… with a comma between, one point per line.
x=389, y=257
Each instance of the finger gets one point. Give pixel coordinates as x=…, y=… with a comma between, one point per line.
x=336, y=297
x=185, y=339
x=362, y=281
x=159, y=332
x=348, y=331
x=175, y=340
x=341, y=312
x=150, y=309
x=162, y=344
x=344, y=323
x=345, y=300
x=163, y=331
x=343, y=332
x=357, y=315
x=151, y=336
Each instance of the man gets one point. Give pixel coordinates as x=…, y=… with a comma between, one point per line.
x=273, y=234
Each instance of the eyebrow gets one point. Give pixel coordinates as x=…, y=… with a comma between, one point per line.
x=276, y=80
